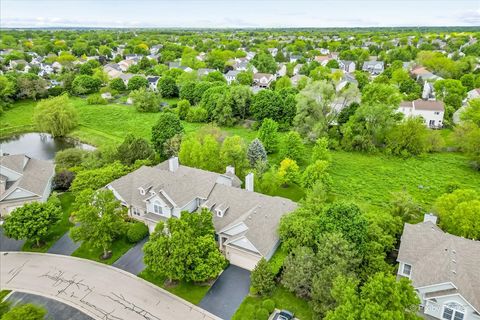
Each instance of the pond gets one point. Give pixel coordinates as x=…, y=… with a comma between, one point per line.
x=39, y=145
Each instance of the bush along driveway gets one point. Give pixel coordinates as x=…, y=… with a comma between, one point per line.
x=227, y=293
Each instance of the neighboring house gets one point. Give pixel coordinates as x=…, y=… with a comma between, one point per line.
x=473, y=94
x=444, y=270
x=204, y=71
x=113, y=70
x=347, y=66
x=126, y=77
x=156, y=48
x=22, y=180
x=373, y=67
x=296, y=79
x=125, y=64
x=263, y=79
x=231, y=76
x=431, y=111
x=245, y=222
x=421, y=73
x=152, y=82
x=428, y=91
x=346, y=79
x=15, y=63
x=297, y=68
x=323, y=60
x=282, y=70
x=273, y=51
x=294, y=58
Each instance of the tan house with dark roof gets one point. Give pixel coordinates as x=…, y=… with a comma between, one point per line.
x=22, y=180
x=245, y=221
x=444, y=269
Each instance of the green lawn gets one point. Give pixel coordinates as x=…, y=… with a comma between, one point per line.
x=185, y=290
x=283, y=300
x=119, y=247
x=371, y=179
x=17, y=119
x=58, y=230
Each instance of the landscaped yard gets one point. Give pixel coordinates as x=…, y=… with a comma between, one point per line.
x=119, y=248
x=58, y=230
x=283, y=300
x=188, y=291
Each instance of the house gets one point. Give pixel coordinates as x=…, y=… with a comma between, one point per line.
x=263, y=79
x=431, y=111
x=294, y=58
x=231, y=76
x=296, y=79
x=245, y=221
x=473, y=94
x=14, y=64
x=273, y=51
x=126, y=77
x=23, y=180
x=421, y=73
x=444, y=270
x=373, y=67
x=204, y=71
x=282, y=70
x=347, y=66
x=152, y=82
x=345, y=80
x=125, y=64
x=113, y=70
x=323, y=60
x=428, y=91
x=297, y=68
x=155, y=49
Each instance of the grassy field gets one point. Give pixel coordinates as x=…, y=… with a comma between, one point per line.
x=188, y=291
x=119, y=248
x=283, y=300
x=367, y=179
x=58, y=230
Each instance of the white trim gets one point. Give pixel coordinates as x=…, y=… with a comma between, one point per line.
x=455, y=294
x=11, y=190
x=437, y=284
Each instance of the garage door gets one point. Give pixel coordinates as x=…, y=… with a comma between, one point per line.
x=241, y=258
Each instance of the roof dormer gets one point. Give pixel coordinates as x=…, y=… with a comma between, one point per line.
x=221, y=210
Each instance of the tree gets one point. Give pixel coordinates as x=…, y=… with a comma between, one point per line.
x=262, y=278
x=264, y=62
x=320, y=150
x=459, y=213
x=98, y=177
x=100, y=217
x=70, y=157
x=201, y=151
x=240, y=98
x=31, y=86
x=184, y=248
x=145, y=100
x=133, y=149
x=381, y=93
x=314, y=104
x=256, y=152
x=467, y=137
x=335, y=257
x=245, y=78
x=315, y=172
x=85, y=84
x=288, y=171
x=299, y=269
x=234, y=153
x=187, y=91
x=292, y=147
x=472, y=112
x=118, y=85
x=268, y=135
x=282, y=83
x=451, y=92
x=404, y=206
x=63, y=180
x=56, y=115
x=167, y=126
x=32, y=220
x=137, y=82
x=381, y=297
x=408, y=137
x=267, y=104
x=167, y=87
x=26, y=311
x=183, y=108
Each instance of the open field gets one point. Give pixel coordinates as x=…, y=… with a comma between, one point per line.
x=368, y=179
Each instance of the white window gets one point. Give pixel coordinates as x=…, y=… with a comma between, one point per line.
x=453, y=311
x=436, y=113
x=407, y=269
x=157, y=208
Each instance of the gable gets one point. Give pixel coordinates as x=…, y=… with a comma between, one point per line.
x=19, y=193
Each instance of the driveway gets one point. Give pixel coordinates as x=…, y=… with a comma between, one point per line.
x=227, y=293
x=64, y=245
x=56, y=309
x=98, y=290
x=132, y=260
x=8, y=244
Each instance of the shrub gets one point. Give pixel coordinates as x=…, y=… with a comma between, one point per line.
x=136, y=231
x=262, y=314
x=268, y=305
x=262, y=278
x=96, y=98
x=197, y=114
x=63, y=180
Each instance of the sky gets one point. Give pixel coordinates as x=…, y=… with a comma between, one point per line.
x=237, y=13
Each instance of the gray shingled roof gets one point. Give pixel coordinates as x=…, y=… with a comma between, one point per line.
x=35, y=174
x=260, y=213
x=438, y=257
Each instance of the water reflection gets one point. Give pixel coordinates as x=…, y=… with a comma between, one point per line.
x=39, y=145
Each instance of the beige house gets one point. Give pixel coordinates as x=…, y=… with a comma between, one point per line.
x=22, y=180
x=246, y=222
x=444, y=269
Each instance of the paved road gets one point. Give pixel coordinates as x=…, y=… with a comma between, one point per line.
x=64, y=245
x=132, y=260
x=98, y=290
x=8, y=244
x=56, y=309
x=227, y=293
